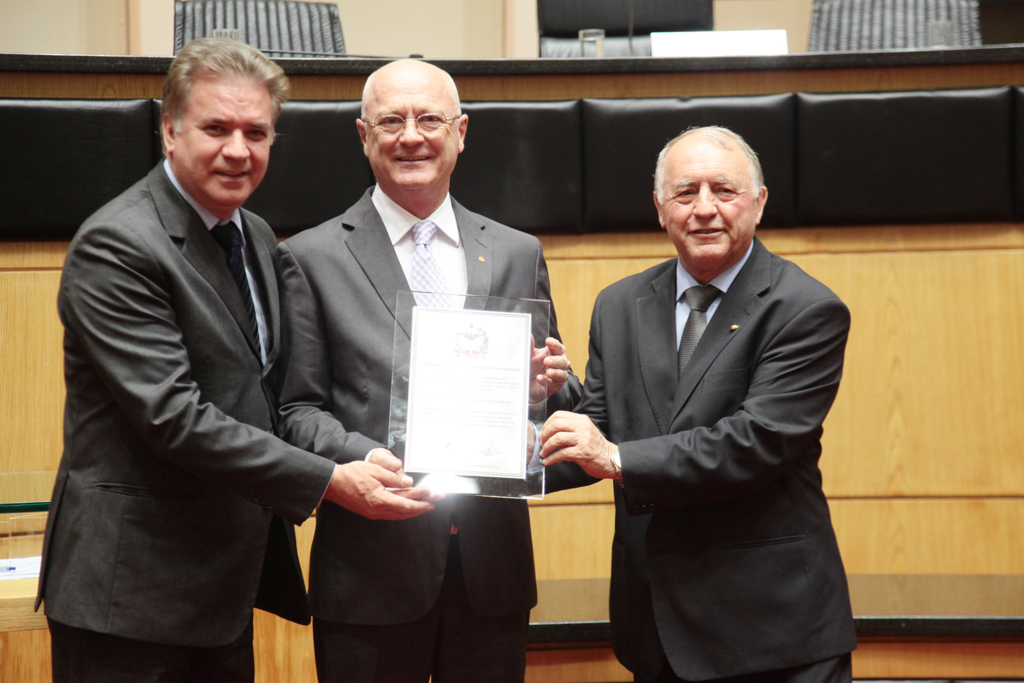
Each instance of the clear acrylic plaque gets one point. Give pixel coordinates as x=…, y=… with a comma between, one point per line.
x=462, y=418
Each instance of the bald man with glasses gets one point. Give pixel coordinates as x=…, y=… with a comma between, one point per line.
x=446, y=595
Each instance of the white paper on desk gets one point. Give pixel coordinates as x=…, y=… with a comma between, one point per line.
x=469, y=381
x=20, y=568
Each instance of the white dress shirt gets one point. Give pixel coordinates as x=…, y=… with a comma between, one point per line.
x=446, y=248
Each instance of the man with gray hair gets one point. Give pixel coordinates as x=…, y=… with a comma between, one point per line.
x=167, y=523
x=446, y=595
x=708, y=381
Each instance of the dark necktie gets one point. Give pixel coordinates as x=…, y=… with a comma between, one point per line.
x=230, y=239
x=699, y=298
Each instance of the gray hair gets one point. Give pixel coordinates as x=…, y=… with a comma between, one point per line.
x=449, y=84
x=721, y=137
x=220, y=58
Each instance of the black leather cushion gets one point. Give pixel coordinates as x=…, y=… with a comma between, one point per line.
x=64, y=159
x=317, y=166
x=622, y=139
x=1019, y=157
x=915, y=157
x=566, y=17
x=521, y=165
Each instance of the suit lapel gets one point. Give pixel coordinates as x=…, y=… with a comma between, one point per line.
x=745, y=296
x=476, y=244
x=264, y=264
x=198, y=247
x=656, y=331
x=372, y=249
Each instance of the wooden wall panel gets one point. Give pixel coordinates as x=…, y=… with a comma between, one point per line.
x=573, y=541
x=876, y=536
x=283, y=651
x=25, y=657
x=32, y=392
x=601, y=492
x=930, y=536
x=575, y=284
x=939, y=660
x=597, y=665
x=931, y=397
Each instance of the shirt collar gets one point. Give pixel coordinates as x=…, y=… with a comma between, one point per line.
x=723, y=281
x=209, y=220
x=399, y=222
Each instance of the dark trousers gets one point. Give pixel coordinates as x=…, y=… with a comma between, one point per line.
x=450, y=643
x=835, y=670
x=81, y=656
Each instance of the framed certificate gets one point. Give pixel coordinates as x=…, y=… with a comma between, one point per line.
x=462, y=418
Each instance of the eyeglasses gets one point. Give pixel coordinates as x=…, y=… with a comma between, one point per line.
x=392, y=124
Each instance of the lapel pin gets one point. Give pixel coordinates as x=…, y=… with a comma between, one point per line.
x=482, y=259
x=734, y=328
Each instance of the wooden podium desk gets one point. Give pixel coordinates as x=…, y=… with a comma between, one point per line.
x=129, y=77
x=908, y=626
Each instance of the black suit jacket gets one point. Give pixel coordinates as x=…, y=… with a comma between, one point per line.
x=339, y=283
x=724, y=555
x=159, y=521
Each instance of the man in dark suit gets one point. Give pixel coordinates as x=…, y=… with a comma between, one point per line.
x=162, y=534
x=724, y=562
x=447, y=594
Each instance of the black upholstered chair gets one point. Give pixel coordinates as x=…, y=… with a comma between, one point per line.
x=838, y=25
x=622, y=138
x=317, y=167
x=910, y=157
x=280, y=28
x=559, y=23
x=522, y=165
x=66, y=159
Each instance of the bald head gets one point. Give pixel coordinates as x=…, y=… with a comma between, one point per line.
x=400, y=75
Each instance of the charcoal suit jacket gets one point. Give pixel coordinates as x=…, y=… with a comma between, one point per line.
x=159, y=527
x=339, y=283
x=724, y=557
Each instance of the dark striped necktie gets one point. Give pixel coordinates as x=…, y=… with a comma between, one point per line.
x=229, y=237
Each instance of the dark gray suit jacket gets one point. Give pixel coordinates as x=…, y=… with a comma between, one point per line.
x=724, y=555
x=339, y=283
x=154, y=530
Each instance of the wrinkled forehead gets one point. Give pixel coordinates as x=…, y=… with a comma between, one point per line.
x=696, y=159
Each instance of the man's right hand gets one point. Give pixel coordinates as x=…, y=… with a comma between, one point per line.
x=362, y=488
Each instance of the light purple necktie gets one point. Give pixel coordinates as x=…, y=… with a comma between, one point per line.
x=427, y=281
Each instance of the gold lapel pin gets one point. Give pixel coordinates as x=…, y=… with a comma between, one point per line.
x=734, y=328
x=482, y=259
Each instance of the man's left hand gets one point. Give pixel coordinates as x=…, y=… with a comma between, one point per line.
x=573, y=437
x=550, y=369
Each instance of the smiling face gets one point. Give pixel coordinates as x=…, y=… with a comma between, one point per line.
x=220, y=148
x=412, y=168
x=708, y=205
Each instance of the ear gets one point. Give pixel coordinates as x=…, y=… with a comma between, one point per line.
x=167, y=134
x=661, y=215
x=762, y=199
x=364, y=131
x=462, y=127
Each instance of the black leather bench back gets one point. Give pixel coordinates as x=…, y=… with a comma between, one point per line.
x=574, y=167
